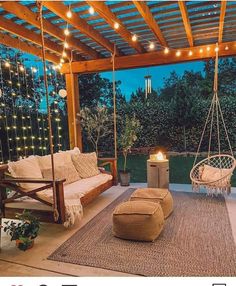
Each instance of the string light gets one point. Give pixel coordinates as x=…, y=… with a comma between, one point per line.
x=226, y=48
x=201, y=50
x=64, y=54
x=116, y=25
x=178, y=53
x=7, y=64
x=151, y=46
x=208, y=48
x=190, y=53
x=134, y=38
x=66, y=45
x=216, y=49
x=166, y=50
x=91, y=10
x=66, y=32
x=69, y=14
x=21, y=68
x=62, y=60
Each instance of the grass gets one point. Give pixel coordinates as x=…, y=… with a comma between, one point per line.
x=180, y=168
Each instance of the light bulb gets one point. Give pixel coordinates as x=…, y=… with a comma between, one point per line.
x=216, y=49
x=116, y=25
x=62, y=60
x=178, y=53
x=166, y=50
x=134, y=38
x=151, y=46
x=69, y=14
x=226, y=48
x=66, y=45
x=66, y=32
x=91, y=10
x=34, y=69
x=7, y=64
x=22, y=68
x=201, y=51
x=208, y=48
x=64, y=54
x=190, y=53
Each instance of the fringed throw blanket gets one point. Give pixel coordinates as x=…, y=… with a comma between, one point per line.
x=74, y=211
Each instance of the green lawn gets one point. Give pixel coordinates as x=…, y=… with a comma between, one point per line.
x=180, y=168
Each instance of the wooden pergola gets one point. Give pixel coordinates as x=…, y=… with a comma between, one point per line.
x=141, y=34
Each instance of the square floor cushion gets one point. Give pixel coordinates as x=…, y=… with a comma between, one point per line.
x=138, y=220
x=155, y=195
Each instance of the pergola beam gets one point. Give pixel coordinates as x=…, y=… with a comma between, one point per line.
x=104, y=11
x=150, y=21
x=60, y=9
x=18, y=30
x=152, y=59
x=222, y=20
x=32, y=18
x=185, y=18
x=25, y=47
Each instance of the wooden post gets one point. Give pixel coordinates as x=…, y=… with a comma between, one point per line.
x=73, y=109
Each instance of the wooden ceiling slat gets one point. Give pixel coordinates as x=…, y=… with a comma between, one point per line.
x=25, y=47
x=149, y=19
x=103, y=10
x=60, y=9
x=185, y=18
x=17, y=30
x=27, y=15
x=222, y=20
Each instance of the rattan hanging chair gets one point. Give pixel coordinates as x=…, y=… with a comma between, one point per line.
x=214, y=172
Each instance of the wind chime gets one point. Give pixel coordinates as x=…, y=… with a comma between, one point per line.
x=148, y=85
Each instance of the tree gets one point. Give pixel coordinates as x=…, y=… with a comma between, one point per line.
x=96, y=123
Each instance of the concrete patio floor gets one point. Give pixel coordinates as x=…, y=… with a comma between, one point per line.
x=14, y=262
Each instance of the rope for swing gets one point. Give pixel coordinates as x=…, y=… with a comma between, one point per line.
x=114, y=101
x=55, y=210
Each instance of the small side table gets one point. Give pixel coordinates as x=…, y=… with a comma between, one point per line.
x=158, y=173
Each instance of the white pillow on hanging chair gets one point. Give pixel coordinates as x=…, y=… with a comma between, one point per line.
x=211, y=174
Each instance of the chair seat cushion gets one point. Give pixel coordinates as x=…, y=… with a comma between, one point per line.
x=155, y=195
x=138, y=220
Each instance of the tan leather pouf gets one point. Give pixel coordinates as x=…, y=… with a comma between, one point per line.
x=155, y=195
x=138, y=220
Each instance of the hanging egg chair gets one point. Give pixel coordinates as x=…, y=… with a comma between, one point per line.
x=214, y=172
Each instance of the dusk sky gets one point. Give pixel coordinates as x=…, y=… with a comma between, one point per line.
x=134, y=78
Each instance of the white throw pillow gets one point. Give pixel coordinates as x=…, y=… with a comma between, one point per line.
x=26, y=168
x=76, y=150
x=86, y=164
x=60, y=159
x=210, y=174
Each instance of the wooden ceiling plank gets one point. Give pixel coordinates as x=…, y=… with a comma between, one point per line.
x=222, y=20
x=25, y=47
x=150, y=20
x=60, y=9
x=185, y=18
x=151, y=59
x=27, y=15
x=28, y=35
x=103, y=10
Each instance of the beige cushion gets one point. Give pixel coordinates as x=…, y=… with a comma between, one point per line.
x=26, y=168
x=86, y=164
x=138, y=220
x=76, y=150
x=210, y=174
x=155, y=195
x=67, y=172
x=63, y=165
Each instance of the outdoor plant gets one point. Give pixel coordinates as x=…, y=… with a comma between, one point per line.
x=128, y=136
x=23, y=232
x=96, y=123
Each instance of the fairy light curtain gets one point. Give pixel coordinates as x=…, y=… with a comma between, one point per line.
x=23, y=118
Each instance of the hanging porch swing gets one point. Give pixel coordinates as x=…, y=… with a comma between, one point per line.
x=214, y=172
